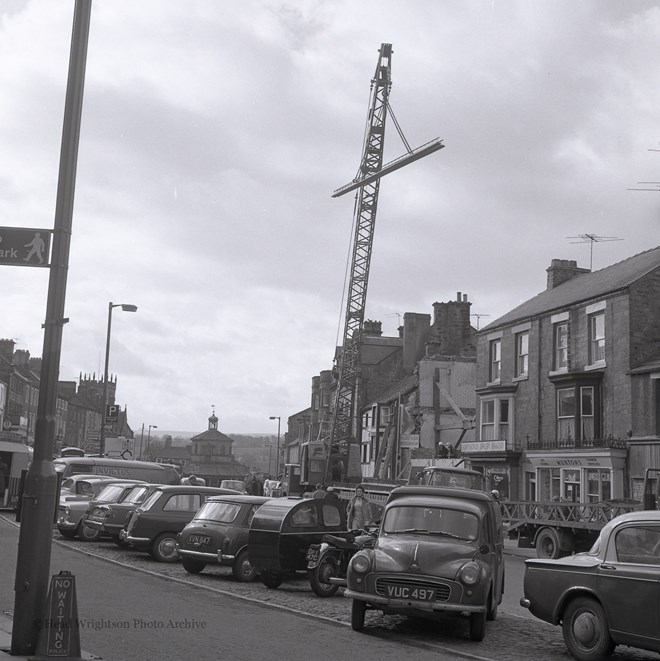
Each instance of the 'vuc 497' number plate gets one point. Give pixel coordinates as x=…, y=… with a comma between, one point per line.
x=410, y=592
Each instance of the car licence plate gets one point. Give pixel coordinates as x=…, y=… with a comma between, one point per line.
x=200, y=539
x=313, y=553
x=410, y=592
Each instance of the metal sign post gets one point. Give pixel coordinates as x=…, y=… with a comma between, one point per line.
x=40, y=493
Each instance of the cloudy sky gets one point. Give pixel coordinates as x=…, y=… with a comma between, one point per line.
x=214, y=133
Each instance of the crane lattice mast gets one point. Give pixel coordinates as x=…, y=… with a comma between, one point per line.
x=342, y=442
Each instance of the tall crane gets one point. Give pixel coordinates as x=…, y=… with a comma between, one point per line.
x=342, y=445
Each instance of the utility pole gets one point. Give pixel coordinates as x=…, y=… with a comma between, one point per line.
x=38, y=504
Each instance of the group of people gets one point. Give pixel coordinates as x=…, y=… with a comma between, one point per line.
x=359, y=512
x=254, y=484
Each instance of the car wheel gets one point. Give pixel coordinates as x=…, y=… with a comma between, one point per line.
x=164, y=548
x=358, y=609
x=271, y=579
x=547, y=544
x=585, y=630
x=491, y=613
x=192, y=566
x=87, y=534
x=68, y=534
x=319, y=577
x=477, y=626
x=242, y=569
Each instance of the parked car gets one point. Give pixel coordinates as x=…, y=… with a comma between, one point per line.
x=607, y=596
x=450, y=476
x=154, y=525
x=440, y=550
x=109, y=518
x=218, y=534
x=236, y=485
x=71, y=510
x=79, y=487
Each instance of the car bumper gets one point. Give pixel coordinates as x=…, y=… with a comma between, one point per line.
x=65, y=524
x=95, y=525
x=198, y=555
x=413, y=604
x=135, y=541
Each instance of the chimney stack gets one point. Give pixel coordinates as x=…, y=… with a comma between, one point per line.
x=563, y=270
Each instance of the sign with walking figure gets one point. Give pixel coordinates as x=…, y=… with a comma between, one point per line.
x=25, y=246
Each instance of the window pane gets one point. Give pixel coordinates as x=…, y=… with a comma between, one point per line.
x=561, y=346
x=597, y=337
x=566, y=402
x=522, y=353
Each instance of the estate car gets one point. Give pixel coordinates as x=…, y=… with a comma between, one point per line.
x=154, y=525
x=440, y=550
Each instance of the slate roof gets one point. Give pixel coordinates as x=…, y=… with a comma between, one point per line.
x=402, y=387
x=583, y=288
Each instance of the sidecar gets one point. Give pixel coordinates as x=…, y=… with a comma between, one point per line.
x=282, y=530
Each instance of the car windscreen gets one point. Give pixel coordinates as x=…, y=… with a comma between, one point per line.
x=440, y=521
x=110, y=493
x=220, y=512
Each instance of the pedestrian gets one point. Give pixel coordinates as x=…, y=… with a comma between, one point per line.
x=331, y=493
x=319, y=492
x=358, y=512
x=249, y=484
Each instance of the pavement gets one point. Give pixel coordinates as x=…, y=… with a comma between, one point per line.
x=6, y=621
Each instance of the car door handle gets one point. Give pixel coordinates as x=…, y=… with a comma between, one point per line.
x=608, y=567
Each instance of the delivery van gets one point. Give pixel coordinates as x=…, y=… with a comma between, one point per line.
x=123, y=469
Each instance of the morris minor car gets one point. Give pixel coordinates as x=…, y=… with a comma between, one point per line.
x=439, y=551
x=218, y=534
x=607, y=596
x=154, y=525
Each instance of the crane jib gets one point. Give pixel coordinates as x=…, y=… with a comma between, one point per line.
x=414, y=155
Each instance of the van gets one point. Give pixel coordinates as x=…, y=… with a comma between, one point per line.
x=120, y=468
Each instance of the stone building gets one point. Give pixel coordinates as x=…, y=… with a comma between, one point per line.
x=211, y=456
x=568, y=385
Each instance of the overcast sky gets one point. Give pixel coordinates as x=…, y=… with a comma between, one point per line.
x=214, y=133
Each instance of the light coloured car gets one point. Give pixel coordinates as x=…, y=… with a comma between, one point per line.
x=607, y=596
x=71, y=510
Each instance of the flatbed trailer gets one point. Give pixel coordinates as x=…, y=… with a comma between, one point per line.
x=558, y=528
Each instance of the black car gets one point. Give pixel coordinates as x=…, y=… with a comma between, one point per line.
x=218, y=534
x=154, y=525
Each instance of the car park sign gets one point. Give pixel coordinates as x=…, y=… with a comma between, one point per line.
x=25, y=246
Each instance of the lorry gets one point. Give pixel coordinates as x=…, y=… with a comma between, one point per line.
x=560, y=528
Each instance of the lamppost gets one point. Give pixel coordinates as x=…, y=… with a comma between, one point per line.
x=270, y=458
x=141, y=455
x=277, y=467
x=126, y=307
x=149, y=438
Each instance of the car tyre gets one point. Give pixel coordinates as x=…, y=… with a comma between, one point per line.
x=87, y=534
x=358, y=610
x=192, y=566
x=271, y=579
x=164, y=548
x=585, y=630
x=242, y=569
x=547, y=544
x=491, y=613
x=477, y=626
x=319, y=577
x=68, y=534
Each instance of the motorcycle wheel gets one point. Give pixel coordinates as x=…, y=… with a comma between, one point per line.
x=319, y=577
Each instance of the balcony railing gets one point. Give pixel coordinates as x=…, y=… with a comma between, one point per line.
x=575, y=444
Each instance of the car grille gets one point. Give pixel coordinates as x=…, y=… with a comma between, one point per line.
x=442, y=591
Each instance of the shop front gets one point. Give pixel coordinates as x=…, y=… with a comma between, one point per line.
x=588, y=476
x=499, y=465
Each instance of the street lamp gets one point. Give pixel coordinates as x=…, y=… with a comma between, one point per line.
x=277, y=467
x=126, y=307
x=149, y=438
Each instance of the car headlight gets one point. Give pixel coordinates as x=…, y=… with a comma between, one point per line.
x=469, y=573
x=361, y=562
